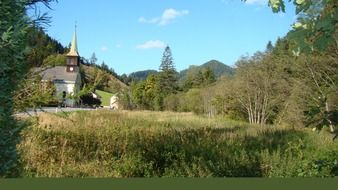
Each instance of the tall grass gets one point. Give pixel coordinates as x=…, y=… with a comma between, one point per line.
x=149, y=144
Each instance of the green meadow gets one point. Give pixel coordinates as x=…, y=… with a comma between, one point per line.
x=105, y=97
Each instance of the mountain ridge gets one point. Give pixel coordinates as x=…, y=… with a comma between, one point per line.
x=219, y=69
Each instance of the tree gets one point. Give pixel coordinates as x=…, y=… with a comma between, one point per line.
x=93, y=59
x=125, y=99
x=126, y=79
x=55, y=60
x=208, y=76
x=105, y=67
x=41, y=46
x=32, y=93
x=192, y=78
x=260, y=88
x=315, y=29
x=192, y=101
x=269, y=47
x=198, y=79
x=172, y=102
x=168, y=74
x=147, y=94
x=138, y=94
x=13, y=31
x=320, y=80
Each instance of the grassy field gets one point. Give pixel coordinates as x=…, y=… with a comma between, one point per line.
x=105, y=97
x=156, y=144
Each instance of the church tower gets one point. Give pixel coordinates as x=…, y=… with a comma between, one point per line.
x=73, y=58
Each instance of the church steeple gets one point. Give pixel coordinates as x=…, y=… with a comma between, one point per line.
x=73, y=57
x=73, y=49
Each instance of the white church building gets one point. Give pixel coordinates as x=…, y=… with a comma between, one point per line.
x=67, y=79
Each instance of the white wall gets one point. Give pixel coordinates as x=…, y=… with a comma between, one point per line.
x=68, y=88
x=114, y=102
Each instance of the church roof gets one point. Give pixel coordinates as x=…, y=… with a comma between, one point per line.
x=58, y=73
x=73, y=48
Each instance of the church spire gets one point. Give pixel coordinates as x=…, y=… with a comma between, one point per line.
x=73, y=58
x=73, y=49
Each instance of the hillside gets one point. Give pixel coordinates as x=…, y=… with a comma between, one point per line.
x=217, y=67
x=141, y=75
x=105, y=81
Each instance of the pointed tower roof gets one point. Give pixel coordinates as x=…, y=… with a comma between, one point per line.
x=73, y=49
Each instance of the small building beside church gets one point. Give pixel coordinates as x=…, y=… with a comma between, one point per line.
x=114, y=104
x=67, y=79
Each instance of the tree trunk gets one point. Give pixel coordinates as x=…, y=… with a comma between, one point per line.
x=327, y=109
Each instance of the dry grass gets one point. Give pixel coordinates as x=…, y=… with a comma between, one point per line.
x=145, y=144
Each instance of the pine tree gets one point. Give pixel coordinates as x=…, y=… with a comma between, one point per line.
x=168, y=74
x=14, y=23
x=93, y=60
x=11, y=47
x=269, y=47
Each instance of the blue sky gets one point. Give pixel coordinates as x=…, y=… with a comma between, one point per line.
x=130, y=35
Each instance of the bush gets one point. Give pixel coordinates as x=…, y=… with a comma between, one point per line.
x=89, y=100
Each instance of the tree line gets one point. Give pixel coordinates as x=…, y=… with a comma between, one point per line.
x=271, y=87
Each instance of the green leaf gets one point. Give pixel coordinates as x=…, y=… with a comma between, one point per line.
x=277, y=5
x=322, y=42
x=7, y=35
x=300, y=2
x=302, y=5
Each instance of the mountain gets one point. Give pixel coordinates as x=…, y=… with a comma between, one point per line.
x=142, y=75
x=217, y=67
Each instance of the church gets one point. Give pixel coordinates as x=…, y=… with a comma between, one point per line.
x=67, y=79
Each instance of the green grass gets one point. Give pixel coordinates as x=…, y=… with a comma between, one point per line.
x=105, y=97
x=165, y=144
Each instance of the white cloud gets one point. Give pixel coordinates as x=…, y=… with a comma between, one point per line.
x=167, y=16
x=257, y=2
x=171, y=14
x=152, y=44
x=150, y=21
x=104, y=48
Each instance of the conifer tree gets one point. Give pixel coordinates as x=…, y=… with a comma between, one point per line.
x=93, y=59
x=269, y=47
x=168, y=74
x=14, y=25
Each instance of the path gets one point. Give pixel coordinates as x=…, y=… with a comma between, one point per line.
x=51, y=110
